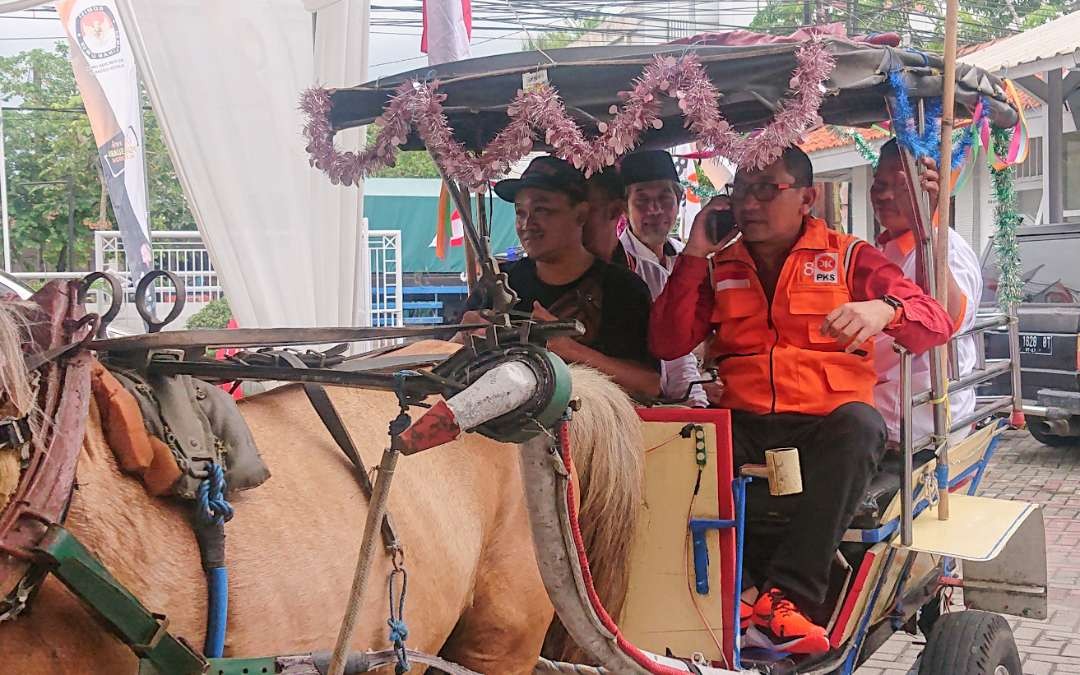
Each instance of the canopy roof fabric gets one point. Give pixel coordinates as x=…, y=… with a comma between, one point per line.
x=752, y=79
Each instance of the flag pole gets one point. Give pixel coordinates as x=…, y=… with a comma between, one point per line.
x=941, y=245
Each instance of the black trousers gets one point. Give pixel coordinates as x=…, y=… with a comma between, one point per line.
x=839, y=455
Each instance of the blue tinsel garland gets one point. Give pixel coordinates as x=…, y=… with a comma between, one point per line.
x=927, y=144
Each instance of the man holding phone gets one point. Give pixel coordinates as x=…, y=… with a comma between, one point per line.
x=792, y=308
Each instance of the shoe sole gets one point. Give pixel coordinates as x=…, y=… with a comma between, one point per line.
x=803, y=645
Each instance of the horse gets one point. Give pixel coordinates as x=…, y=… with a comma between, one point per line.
x=475, y=595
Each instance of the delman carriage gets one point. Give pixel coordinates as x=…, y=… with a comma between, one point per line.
x=626, y=518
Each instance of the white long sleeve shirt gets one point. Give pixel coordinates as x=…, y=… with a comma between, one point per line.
x=965, y=268
x=675, y=375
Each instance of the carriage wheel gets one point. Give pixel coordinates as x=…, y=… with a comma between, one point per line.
x=970, y=643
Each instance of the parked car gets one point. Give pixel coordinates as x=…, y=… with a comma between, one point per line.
x=1049, y=330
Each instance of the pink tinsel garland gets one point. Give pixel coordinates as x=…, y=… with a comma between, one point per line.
x=540, y=110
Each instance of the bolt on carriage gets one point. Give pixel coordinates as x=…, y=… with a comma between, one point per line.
x=901, y=554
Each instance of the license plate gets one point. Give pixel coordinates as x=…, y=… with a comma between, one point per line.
x=1033, y=343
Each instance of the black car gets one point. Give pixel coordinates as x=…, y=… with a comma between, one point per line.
x=1049, y=330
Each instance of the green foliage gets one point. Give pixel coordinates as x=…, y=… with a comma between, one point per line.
x=922, y=23
x=411, y=164
x=563, y=38
x=51, y=140
x=214, y=315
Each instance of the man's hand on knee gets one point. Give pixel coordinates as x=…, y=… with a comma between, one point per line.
x=853, y=323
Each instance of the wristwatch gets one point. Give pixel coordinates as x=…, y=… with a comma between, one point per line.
x=898, y=309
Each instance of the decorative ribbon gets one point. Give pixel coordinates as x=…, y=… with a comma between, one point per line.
x=539, y=110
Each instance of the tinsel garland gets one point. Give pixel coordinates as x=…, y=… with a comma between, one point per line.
x=539, y=110
x=1010, y=287
x=866, y=151
x=928, y=143
x=703, y=189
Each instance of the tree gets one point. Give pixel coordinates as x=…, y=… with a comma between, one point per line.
x=921, y=23
x=410, y=164
x=47, y=137
x=563, y=38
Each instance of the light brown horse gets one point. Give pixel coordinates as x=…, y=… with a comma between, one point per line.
x=474, y=593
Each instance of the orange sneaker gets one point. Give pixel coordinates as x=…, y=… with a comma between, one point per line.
x=746, y=613
x=796, y=633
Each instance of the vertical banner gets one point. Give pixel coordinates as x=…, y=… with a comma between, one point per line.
x=105, y=72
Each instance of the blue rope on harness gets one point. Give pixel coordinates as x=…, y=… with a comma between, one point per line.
x=212, y=512
x=399, y=631
x=213, y=507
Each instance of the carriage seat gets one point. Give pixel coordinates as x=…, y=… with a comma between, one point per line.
x=884, y=487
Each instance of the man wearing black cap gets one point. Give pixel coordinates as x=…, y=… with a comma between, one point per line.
x=560, y=279
x=653, y=195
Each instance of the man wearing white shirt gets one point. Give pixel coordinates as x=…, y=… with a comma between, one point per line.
x=653, y=194
x=892, y=208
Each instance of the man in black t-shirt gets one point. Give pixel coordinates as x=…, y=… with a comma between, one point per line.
x=560, y=279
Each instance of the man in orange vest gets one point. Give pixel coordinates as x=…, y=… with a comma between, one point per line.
x=792, y=308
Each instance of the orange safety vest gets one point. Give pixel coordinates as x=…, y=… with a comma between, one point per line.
x=772, y=357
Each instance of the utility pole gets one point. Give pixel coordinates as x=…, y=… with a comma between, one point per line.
x=70, y=184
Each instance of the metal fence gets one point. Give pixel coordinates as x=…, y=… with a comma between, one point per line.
x=387, y=302
x=183, y=253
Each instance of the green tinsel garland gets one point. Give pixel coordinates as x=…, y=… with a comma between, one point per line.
x=866, y=150
x=703, y=189
x=1010, y=289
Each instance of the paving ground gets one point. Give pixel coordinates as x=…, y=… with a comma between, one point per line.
x=1025, y=469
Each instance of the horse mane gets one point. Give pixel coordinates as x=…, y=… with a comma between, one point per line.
x=606, y=442
x=16, y=391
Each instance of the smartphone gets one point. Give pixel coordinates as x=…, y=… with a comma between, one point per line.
x=719, y=224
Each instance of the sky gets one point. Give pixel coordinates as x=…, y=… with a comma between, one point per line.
x=392, y=50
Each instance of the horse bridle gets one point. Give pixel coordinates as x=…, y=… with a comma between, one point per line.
x=47, y=480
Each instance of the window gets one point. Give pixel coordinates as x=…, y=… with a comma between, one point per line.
x=1033, y=165
x=1050, y=270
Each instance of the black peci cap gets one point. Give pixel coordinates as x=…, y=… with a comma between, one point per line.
x=545, y=173
x=648, y=165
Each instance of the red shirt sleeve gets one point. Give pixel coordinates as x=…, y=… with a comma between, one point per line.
x=679, y=320
x=923, y=322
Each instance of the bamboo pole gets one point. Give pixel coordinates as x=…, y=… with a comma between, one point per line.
x=941, y=247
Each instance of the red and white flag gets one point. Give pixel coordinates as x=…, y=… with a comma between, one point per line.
x=457, y=232
x=447, y=30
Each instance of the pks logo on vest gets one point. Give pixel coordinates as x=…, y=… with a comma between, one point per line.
x=823, y=269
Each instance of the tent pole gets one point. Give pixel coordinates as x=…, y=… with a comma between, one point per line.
x=941, y=253
x=4, y=199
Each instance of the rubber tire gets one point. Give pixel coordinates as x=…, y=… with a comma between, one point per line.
x=970, y=643
x=1054, y=440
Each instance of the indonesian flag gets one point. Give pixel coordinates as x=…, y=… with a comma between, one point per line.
x=447, y=30
x=447, y=236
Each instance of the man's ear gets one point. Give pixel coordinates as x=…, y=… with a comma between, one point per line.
x=616, y=208
x=581, y=212
x=809, y=197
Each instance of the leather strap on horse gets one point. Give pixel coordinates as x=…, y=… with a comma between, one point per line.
x=326, y=411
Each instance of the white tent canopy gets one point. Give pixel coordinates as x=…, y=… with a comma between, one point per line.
x=225, y=80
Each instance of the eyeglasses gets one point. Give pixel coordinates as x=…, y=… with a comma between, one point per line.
x=763, y=192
